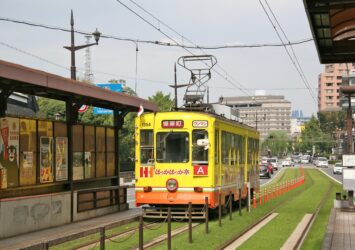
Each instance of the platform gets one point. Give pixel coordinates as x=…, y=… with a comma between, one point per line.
x=29, y=239
x=340, y=231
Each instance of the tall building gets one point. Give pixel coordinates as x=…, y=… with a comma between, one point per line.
x=328, y=85
x=266, y=113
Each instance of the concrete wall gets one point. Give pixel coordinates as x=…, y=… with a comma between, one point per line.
x=31, y=213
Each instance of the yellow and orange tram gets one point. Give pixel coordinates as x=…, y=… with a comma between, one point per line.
x=183, y=157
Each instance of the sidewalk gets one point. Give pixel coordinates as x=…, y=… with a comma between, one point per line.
x=29, y=239
x=341, y=231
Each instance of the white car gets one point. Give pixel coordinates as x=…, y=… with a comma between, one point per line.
x=338, y=168
x=322, y=162
x=305, y=159
x=274, y=162
x=287, y=163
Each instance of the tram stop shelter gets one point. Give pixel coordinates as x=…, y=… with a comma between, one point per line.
x=55, y=172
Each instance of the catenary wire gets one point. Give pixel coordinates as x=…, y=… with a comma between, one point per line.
x=240, y=87
x=288, y=53
x=159, y=43
x=291, y=47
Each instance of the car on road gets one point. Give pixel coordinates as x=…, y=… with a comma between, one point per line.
x=322, y=162
x=296, y=158
x=265, y=171
x=338, y=168
x=274, y=162
x=305, y=159
x=287, y=162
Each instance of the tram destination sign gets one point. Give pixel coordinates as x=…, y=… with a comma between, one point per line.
x=200, y=124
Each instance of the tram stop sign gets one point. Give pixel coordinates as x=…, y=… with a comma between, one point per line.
x=115, y=87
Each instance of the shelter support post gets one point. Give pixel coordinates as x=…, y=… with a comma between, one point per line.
x=349, y=126
x=4, y=95
x=71, y=111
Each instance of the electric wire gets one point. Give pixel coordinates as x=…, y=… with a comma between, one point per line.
x=291, y=47
x=288, y=53
x=240, y=87
x=158, y=43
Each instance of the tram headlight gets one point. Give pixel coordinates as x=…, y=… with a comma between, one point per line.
x=172, y=185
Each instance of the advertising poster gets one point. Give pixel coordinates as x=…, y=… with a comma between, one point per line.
x=78, y=168
x=9, y=151
x=88, y=165
x=61, y=158
x=115, y=87
x=46, y=159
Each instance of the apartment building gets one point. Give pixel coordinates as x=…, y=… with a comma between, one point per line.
x=329, y=83
x=267, y=113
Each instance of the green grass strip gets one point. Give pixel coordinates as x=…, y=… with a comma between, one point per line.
x=218, y=235
x=278, y=231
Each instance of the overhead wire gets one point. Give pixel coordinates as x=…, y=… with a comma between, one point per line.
x=288, y=53
x=235, y=83
x=289, y=43
x=158, y=43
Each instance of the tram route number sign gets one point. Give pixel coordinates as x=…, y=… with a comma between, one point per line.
x=199, y=124
x=200, y=170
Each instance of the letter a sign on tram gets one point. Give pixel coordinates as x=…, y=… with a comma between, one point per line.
x=200, y=170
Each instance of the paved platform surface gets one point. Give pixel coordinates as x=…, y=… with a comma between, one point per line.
x=341, y=231
x=28, y=239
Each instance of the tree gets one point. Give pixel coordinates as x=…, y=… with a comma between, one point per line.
x=312, y=135
x=164, y=102
x=277, y=143
x=330, y=121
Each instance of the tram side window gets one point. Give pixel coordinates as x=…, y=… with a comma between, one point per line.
x=172, y=147
x=224, y=148
x=216, y=146
x=199, y=153
x=147, y=146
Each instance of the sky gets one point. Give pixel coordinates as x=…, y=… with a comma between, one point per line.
x=239, y=71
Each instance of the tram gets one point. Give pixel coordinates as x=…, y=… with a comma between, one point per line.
x=185, y=156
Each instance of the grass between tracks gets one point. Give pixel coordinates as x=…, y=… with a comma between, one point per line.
x=218, y=235
x=276, y=233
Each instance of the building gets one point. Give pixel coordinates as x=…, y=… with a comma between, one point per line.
x=329, y=83
x=267, y=113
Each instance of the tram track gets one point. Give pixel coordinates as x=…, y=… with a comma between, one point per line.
x=227, y=245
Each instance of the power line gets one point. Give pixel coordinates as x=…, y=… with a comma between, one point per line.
x=158, y=29
x=293, y=52
x=288, y=53
x=158, y=43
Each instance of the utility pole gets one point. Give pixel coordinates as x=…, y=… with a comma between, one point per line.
x=349, y=127
x=176, y=86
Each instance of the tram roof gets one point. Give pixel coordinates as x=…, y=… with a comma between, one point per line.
x=333, y=27
x=30, y=81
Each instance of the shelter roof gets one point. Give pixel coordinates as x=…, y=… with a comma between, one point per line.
x=333, y=27
x=30, y=81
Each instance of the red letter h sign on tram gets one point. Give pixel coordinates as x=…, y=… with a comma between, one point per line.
x=146, y=171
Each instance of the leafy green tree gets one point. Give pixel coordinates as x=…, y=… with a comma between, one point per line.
x=164, y=102
x=330, y=121
x=277, y=143
x=312, y=135
x=48, y=108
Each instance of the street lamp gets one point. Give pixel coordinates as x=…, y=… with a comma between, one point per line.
x=74, y=48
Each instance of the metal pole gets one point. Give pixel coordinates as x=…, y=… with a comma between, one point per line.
x=206, y=214
x=45, y=245
x=141, y=232
x=175, y=89
x=350, y=127
x=72, y=48
x=240, y=201
x=102, y=238
x=220, y=209
x=248, y=197
x=230, y=205
x=169, y=228
x=190, y=222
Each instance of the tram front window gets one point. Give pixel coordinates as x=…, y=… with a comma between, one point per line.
x=172, y=147
x=146, y=145
x=199, y=153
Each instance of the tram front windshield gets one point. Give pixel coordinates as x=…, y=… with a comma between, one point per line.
x=172, y=147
